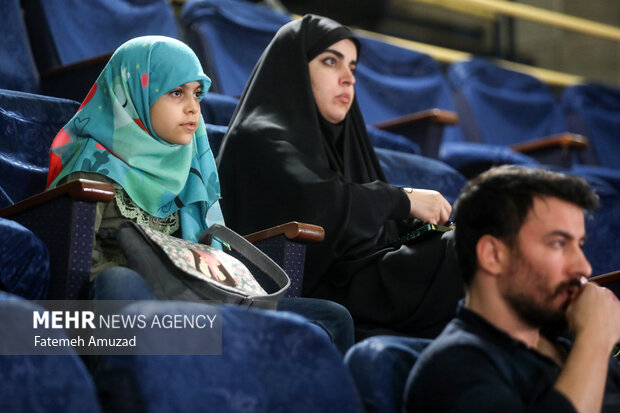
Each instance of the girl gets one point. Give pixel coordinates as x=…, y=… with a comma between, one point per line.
x=140, y=128
x=298, y=147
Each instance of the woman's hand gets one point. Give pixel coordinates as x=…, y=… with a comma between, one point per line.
x=428, y=206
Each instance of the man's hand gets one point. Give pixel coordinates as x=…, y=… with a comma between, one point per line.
x=594, y=318
x=596, y=313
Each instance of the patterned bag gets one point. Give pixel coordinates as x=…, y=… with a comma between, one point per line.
x=177, y=269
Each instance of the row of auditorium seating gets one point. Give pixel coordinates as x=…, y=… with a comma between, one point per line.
x=392, y=82
x=302, y=372
x=260, y=350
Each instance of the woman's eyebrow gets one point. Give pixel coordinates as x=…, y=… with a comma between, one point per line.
x=339, y=55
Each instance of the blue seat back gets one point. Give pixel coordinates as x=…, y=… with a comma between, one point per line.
x=218, y=109
x=270, y=362
x=380, y=366
x=68, y=31
x=594, y=110
x=392, y=81
x=35, y=383
x=28, y=124
x=229, y=36
x=17, y=68
x=216, y=133
x=503, y=107
x=24, y=260
x=407, y=169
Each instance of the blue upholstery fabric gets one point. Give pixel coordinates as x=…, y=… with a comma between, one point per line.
x=17, y=68
x=24, y=261
x=404, y=169
x=506, y=107
x=392, y=81
x=28, y=124
x=602, y=228
x=380, y=367
x=594, y=110
x=270, y=362
x=78, y=30
x=38, y=384
x=218, y=109
x=215, y=133
x=387, y=140
x=461, y=155
x=229, y=36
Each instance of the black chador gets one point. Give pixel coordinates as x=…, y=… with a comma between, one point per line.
x=281, y=161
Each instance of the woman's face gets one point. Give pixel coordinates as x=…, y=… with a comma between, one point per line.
x=332, y=79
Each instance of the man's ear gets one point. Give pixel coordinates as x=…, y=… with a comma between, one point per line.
x=491, y=253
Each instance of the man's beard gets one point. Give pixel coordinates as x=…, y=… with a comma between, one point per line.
x=538, y=313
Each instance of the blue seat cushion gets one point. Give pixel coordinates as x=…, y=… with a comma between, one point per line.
x=41, y=383
x=24, y=260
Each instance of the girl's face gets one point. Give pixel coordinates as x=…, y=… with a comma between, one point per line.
x=332, y=79
x=175, y=114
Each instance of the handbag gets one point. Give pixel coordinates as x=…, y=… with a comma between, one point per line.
x=177, y=269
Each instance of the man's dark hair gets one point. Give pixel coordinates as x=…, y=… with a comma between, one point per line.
x=497, y=202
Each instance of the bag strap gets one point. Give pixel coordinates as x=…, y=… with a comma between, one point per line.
x=247, y=250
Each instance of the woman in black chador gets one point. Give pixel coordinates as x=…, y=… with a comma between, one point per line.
x=297, y=149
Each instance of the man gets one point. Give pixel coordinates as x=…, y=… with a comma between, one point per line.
x=519, y=237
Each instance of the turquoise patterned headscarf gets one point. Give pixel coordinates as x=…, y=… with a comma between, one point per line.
x=111, y=134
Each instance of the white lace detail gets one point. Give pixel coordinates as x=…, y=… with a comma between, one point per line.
x=128, y=209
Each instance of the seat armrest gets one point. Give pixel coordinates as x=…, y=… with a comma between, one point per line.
x=555, y=149
x=286, y=245
x=609, y=280
x=424, y=128
x=64, y=219
x=75, y=80
x=79, y=190
x=295, y=231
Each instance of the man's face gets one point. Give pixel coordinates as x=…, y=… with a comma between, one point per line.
x=547, y=263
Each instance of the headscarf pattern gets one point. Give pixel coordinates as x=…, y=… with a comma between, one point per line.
x=112, y=135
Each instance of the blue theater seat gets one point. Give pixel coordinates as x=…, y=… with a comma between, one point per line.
x=229, y=36
x=72, y=40
x=24, y=260
x=406, y=169
x=380, y=366
x=270, y=362
x=39, y=383
x=594, y=110
x=28, y=124
x=17, y=67
x=502, y=107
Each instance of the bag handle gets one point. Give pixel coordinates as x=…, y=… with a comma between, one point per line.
x=247, y=250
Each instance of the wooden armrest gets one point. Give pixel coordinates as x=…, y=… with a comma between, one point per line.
x=97, y=61
x=81, y=189
x=563, y=140
x=440, y=116
x=425, y=128
x=297, y=231
x=606, y=278
x=75, y=80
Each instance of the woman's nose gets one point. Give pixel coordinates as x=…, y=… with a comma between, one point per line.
x=348, y=77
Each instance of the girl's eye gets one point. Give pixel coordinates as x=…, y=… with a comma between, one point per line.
x=175, y=93
x=198, y=94
x=353, y=69
x=329, y=61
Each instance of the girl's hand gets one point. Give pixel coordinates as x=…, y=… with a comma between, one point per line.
x=428, y=205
